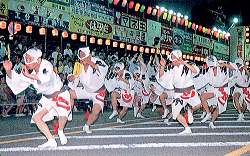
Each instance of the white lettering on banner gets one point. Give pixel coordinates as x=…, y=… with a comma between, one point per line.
x=202, y=41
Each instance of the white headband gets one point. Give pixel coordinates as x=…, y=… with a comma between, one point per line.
x=85, y=50
x=176, y=53
x=36, y=53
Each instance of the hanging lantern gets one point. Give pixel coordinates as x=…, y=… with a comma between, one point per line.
x=83, y=38
x=247, y=63
x=99, y=41
x=141, y=49
x=29, y=29
x=193, y=26
x=198, y=58
x=208, y=31
x=149, y=10
x=182, y=21
x=216, y=34
x=124, y=3
x=129, y=47
x=146, y=50
x=169, y=17
x=165, y=15
x=18, y=26
x=137, y=7
x=189, y=24
x=158, y=51
x=204, y=29
x=135, y=48
x=187, y=57
x=92, y=40
x=3, y=25
x=163, y=52
x=116, y=2
x=122, y=45
x=200, y=28
x=54, y=32
x=202, y=59
x=184, y=56
x=42, y=31
x=65, y=34
x=115, y=44
x=131, y=4
x=142, y=8
x=74, y=36
x=107, y=42
x=154, y=12
x=174, y=19
x=186, y=23
x=152, y=50
x=191, y=57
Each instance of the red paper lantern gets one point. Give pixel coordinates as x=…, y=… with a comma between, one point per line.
x=124, y=2
x=131, y=4
x=200, y=28
x=29, y=29
x=18, y=26
x=149, y=10
x=54, y=32
x=186, y=23
x=65, y=34
x=182, y=21
x=208, y=31
x=3, y=24
x=193, y=26
x=116, y=2
x=174, y=18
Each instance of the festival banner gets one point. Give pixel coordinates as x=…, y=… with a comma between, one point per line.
x=166, y=38
x=182, y=40
x=202, y=41
x=130, y=29
x=221, y=48
x=197, y=49
x=153, y=33
x=91, y=18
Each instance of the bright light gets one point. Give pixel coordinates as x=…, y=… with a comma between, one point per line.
x=219, y=31
x=178, y=14
x=171, y=12
x=157, y=7
x=235, y=20
x=224, y=32
x=228, y=34
x=163, y=9
x=186, y=17
x=215, y=29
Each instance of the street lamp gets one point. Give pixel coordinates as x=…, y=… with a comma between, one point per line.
x=235, y=21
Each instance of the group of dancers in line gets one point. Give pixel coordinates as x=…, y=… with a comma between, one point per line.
x=172, y=82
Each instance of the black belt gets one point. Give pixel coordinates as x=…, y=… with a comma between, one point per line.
x=225, y=85
x=181, y=90
x=239, y=86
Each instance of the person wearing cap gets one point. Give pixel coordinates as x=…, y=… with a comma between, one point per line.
x=55, y=100
x=122, y=91
x=217, y=89
x=241, y=94
x=91, y=76
x=185, y=94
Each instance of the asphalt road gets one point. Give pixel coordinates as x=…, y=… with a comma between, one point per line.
x=146, y=137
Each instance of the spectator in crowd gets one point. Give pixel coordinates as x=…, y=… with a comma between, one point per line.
x=60, y=67
x=56, y=55
x=68, y=52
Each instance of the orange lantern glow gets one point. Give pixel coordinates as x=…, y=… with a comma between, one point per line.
x=115, y=44
x=122, y=45
x=83, y=38
x=107, y=42
x=129, y=47
x=65, y=34
x=42, y=31
x=92, y=40
x=3, y=24
x=135, y=48
x=99, y=41
x=54, y=32
x=141, y=49
x=18, y=26
x=29, y=29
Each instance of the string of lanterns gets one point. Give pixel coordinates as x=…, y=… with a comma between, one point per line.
x=171, y=16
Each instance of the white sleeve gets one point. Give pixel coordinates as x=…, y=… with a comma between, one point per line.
x=103, y=68
x=46, y=73
x=17, y=82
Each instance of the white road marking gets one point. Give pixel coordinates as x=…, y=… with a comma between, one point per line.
x=124, y=146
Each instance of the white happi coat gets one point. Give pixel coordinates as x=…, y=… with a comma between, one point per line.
x=242, y=82
x=49, y=82
x=91, y=83
x=125, y=90
x=181, y=80
x=219, y=86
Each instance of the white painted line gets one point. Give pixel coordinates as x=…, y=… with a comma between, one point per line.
x=166, y=128
x=124, y=146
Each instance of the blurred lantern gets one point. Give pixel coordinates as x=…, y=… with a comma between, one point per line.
x=208, y=31
x=115, y=44
x=154, y=12
x=167, y=52
x=200, y=28
x=65, y=34
x=202, y=59
x=182, y=21
x=122, y=45
x=216, y=34
x=174, y=18
x=204, y=29
x=142, y=8
x=29, y=29
x=187, y=57
x=116, y=2
x=129, y=47
x=198, y=58
x=137, y=6
x=247, y=63
x=165, y=15
x=158, y=51
x=135, y=48
x=124, y=3
x=191, y=57
x=169, y=16
x=83, y=38
x=152, y=50
x=92, y=40
x=18, y=26
x=99, y=41
x=189, y=24
x=107, y=42
x=149, y=10
x=141, y=49
x=42, y=31
x=184, y=56
x=74, y=36
x=54, y=32
x=186, y=23
x=131, y=4
x=163, y=52
x=193, y=26
x=3, y=24
x=146, y=50
x=223, y=36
